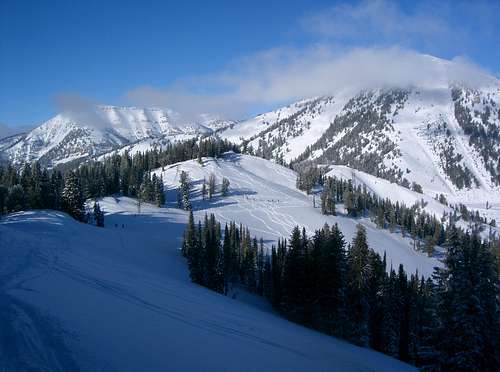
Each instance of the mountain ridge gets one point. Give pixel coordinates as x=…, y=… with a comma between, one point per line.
x=82, y=134
x=443, y=136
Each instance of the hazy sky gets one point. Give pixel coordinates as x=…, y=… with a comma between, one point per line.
x=227, y=56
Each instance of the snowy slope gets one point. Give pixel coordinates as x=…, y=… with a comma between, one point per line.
x=76, y=297
x=396, y=193
x=264, y=198
x=388, y=190
x=10, y=141
x=286, y=132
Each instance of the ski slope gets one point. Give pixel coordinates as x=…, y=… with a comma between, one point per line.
x=388, y=190
x=396, y=193
x=263, y=197
x=77, y=297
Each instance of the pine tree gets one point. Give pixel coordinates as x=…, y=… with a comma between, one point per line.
x=295, y=282
x=183, y=195
x=427, y=356
x=391, y=315
x=358, y=276
x=204, y=189
x=349, y=200
x=98, y=215
x=467, y=306
x=375, y=288
x=429, y=245
x=277, y=267
x=229, y=260
x=267, y=278
x=404, y=318
x=4, y=192
x=72, y=198
x=158, y=191
x=193, y=246
x=211, y=185
x=260, y=268
x=330, y=264
x=16, y=199
x=328, y=198
x=189, y=236
x=225, y=186
x=213, y=260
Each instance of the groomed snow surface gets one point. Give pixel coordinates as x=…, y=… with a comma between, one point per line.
x=77, y=297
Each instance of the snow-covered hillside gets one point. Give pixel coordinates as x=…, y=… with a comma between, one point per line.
x=77, y=297
x=445, y=138
x=264, y=198
x=73, y=136
x=286, y=132
x=388, y=190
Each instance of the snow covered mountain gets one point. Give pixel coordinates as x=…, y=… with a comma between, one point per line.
x=440, y=136
x=72, y=136
x=445, y=138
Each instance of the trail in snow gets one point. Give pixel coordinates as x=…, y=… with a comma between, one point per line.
x=263, y=197
x=77, y=297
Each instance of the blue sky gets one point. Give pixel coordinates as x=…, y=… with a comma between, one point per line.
x=162, y=52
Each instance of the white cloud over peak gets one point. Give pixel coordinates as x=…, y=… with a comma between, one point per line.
x=283, y=75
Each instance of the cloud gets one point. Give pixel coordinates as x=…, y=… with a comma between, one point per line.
x=80, y=110
x=283, y=75
x=186, y=105
x=447, y=26
x=379, y=20
x=363, y=45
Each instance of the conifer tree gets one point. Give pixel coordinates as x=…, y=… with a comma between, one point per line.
x=189, y=236
x=184, y=188
x=429, y=245
x=295, y=282
x=328, y=198
x=4, y=192
x=331, y=266
x=16, y=199
x=195, y=254
x=349, y=200
x=467, y=305
x=211, y=185
x=204, y=189
x=98, y=215
x=213, y=261
x=225, y=186
x=375, y=288
x=228, y=254
x=357, y=287
x=72, y=198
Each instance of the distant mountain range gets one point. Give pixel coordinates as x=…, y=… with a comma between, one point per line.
x=78, y=136
x=444, y=138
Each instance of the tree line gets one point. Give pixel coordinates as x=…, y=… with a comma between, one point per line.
x=130, y=175
x=448, y=322
x=425, y=229
x=34, y=187
x=37, y=188
x=208, y=189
